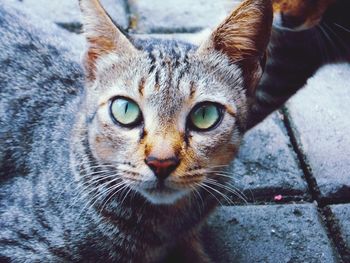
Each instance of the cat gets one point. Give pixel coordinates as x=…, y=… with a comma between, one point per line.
x=125, y=163
x=306, y=35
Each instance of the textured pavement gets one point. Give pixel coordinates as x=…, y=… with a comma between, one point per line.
x=293, y=169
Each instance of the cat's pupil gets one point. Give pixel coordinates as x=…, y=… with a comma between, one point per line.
x=126, y=107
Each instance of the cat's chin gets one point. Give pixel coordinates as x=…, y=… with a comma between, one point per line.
x=168, y=197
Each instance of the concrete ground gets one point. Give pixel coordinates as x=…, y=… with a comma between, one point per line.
x=294, y=168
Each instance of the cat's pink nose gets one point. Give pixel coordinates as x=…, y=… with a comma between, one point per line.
x=162, y=168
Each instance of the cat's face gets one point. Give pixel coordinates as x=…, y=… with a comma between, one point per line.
x=298, y=15
x=164, y=118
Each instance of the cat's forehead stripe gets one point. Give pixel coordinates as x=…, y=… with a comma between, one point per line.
x=192, y=90
x=167, y=66
x=142, y=85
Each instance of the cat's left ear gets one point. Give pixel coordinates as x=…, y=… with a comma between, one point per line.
x=102, y=35
x=243, y=38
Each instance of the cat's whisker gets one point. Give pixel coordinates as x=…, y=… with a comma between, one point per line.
x=123, y=186
x=236, y=188
x=127, y=193
x=105, y=184
x=112, y=195
x=323, y=50
x=97, y=173
x=342, y=27
x=102, y=194
x=328, y=38
x=229, y=175
x=216, y=191
x=227, y=188
x=341, y=41
x=221, y=174
x=93, y=181
x=84, y=192
x=102, y=175
x=226, y=198
x=95, y=166
x=197, y=194
x=80, y=183
x=203, y=186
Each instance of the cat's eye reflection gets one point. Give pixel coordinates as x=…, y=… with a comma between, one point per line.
x=205, y=116
x=125, y=112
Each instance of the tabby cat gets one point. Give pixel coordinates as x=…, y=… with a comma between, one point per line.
x=127, y=168
x=306, y=35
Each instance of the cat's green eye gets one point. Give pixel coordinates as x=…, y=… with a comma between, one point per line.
x=125, y=112
x=205, y=116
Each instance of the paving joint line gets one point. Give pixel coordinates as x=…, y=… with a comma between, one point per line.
x=310, y=180
x=327, y=216
x=332, y=224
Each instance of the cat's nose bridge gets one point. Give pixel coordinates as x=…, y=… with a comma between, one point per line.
x=163, y=147
x=162, y=154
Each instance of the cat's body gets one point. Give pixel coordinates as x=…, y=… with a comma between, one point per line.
x=296, y=54
x=43, y=81
x=78, y=186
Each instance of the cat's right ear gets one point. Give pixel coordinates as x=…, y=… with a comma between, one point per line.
x=102, y=35
x=243, y=39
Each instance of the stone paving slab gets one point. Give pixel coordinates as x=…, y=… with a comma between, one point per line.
x=275, y=233
x=342, y=215
x=193, y=38
x=319, y=116
x=266, y=165
x=67, y=13
x=159, y=16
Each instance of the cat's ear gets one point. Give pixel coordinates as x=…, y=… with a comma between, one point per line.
x=102, y=35
x=243, y=38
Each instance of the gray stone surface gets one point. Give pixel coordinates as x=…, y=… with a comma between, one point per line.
x=342, y=215
x=193, y=38
x=67, y=14
x=150, y=16
x=276, y=234
x=267, y=165
x=319, y=117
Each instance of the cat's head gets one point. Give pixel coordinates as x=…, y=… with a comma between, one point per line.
x=298, y=15
x=162, y=118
